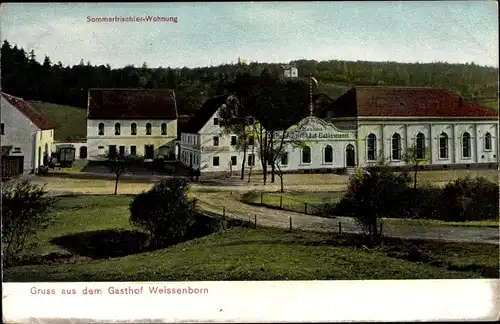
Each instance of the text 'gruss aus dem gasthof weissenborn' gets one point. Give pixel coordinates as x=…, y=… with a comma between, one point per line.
x=112, y=290
x=139, y=19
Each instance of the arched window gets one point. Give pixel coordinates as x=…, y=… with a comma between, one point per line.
x=117, y=129
x=328, y=154
x=148, y=129
x=420, y=146
x=164, y=128
x=371, y=147
x=466, y=147
x=133, y=129
x=487, y=142
x=306, y=154
x=101, y=129
x=396, y=146
x=443, y=146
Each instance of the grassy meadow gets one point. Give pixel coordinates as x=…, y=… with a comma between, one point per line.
x=91, y=240
x=69, y=121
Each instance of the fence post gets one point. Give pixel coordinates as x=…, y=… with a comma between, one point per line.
x=380, y=231
x=340, y=228
x=281, y=202
x=223, y=212
x=255, y=222
x=290, y=224
x=305, y=208
x=261, y=198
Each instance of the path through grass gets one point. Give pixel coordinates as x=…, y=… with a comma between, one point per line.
x=248, y=254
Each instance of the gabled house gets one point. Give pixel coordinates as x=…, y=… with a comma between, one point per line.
x=140, y=122
x=290, y=71
x=25, y=134
x=206, y=146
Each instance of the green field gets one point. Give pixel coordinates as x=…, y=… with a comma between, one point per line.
x=69, y=121
x=300, y=201
x=492, y=104
x=238, y=254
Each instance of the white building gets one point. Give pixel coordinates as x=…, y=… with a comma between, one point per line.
x=290, y=71
x=25, y=133
x=140, y=122
x=205, y=146
x=358, y=129
x=451, y=130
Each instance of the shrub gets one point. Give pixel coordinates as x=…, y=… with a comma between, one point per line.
x=164, y=212
x=372, y=195
x=26, y=208
x=42, y=170
x=469, y=199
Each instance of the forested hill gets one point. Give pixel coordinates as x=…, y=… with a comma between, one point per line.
x=24, y=76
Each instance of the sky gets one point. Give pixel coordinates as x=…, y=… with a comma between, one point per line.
x=216, y=33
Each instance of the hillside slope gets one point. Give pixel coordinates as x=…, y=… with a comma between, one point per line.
x=70, y=122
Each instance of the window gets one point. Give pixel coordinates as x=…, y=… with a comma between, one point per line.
x=215, y=161
x=328, y=154
x=251, y=159
x=233, y=140
x=101, y=147
x=216, y=140
x=133, y=129
x=284, y=158
x=443, y=146
x=149, y=152
x=83, y=152
x=117, y=129
x=164, y=128
x=420, y=146
x=148, y=129
x=112, y=151
x=487, y=142
x=371, y=147
x=396, y=147
x=216, y=121
x=251, y=140
x=306, y=154
x=466, y=149
x=234, y=160
x=2, y=129
x=101, y=129
x=133, y=150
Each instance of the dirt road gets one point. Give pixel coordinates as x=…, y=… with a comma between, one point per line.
x=233, y=208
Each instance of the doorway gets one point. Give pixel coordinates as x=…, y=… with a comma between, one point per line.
x=350, y=159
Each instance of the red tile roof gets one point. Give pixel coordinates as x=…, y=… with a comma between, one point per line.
x=31, y=113
x=405, y=102
x=132, y=104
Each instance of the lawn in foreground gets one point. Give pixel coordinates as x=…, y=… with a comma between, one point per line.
x=263, y=254
x=84, y=214
x=246, y=254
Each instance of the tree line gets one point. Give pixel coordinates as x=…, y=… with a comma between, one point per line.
x=24, y=76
